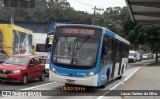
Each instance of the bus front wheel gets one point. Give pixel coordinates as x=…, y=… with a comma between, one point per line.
x=107, y=76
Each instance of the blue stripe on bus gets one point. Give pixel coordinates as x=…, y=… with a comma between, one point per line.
x=99, y=56
x=72, y=72
x=102, y=75
x=109, y=33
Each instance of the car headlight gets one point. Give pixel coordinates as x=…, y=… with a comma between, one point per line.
x=16, y=71
x=91, y=73
x=53, y=69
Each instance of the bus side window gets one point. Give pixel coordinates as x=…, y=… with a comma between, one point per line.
x=110, y=51
x=104, y=51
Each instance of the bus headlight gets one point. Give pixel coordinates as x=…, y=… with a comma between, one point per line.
x=91, y=73
x=53, y=69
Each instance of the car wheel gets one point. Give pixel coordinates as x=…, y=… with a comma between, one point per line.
x=42, y=77
x=24, y=80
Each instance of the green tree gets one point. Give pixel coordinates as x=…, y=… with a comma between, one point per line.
x=147, y=35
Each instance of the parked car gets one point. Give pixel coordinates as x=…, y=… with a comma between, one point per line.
x=154, y=55
x=145, y=56
x=139, y=57
x=21, y=68
x=132, y=56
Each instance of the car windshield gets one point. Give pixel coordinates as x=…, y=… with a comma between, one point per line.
x=131, y=54
x=145, y=54
x=80, y=51
x=17, y=61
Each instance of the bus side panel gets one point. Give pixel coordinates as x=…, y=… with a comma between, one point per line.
x=5, y=41
x=14, y=40
x=102, y=75
x=22, y=42
x=124, y=65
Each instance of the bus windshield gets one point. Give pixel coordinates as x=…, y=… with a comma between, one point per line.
x=42, y=48
x=75, y=51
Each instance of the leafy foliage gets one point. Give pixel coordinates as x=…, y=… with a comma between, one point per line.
x=117, y=19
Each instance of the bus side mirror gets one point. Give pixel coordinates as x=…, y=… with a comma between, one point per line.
x=47, y=45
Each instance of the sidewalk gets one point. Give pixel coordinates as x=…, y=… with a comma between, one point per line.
x=145, y=79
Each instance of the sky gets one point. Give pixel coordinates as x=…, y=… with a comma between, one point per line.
x=87, y=5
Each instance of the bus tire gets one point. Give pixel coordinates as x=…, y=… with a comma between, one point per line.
x=120, y=77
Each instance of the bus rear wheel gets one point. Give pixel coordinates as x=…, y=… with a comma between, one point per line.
x=120, y=77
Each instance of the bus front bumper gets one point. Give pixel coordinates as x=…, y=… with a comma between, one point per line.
x=85, y=81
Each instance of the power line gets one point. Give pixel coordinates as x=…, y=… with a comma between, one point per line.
x=84, y=3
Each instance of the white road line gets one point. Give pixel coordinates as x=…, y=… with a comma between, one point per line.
x=103, y=97
x=38, y=86
x=131, y=75
x=115, y=86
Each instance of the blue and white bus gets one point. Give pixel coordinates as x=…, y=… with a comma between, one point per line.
x=87, y=55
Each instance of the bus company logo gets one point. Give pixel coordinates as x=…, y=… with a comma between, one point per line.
x=6, y=93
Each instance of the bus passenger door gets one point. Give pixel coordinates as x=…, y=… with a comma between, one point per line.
x=116, y=62
x=120, y=58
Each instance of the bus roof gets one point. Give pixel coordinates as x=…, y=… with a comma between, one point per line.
x=82, y=25
x=107, y=31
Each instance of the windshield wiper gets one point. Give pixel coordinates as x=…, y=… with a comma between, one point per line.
x=78, y=48
x=87, y=38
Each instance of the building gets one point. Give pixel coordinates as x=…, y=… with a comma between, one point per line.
x=39, y=27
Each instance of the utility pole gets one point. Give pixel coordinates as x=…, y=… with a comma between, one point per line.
x=94, y=13
x=95, y=10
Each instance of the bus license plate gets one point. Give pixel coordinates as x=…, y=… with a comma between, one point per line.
x=70, y=81
x=3, y=75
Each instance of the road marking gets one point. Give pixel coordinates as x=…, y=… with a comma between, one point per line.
x=38, y=86
x=116, y=85
x=103, y=97
x=131, y=75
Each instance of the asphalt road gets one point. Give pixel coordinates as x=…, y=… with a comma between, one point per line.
x=56, y=88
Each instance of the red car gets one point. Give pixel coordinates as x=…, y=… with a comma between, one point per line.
x=21, y=68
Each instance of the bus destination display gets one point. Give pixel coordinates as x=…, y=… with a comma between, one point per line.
x=79, y=31
x=94, y=32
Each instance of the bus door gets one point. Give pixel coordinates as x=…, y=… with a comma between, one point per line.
x=113, y=58
x=120, y=57
x=116, y=59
